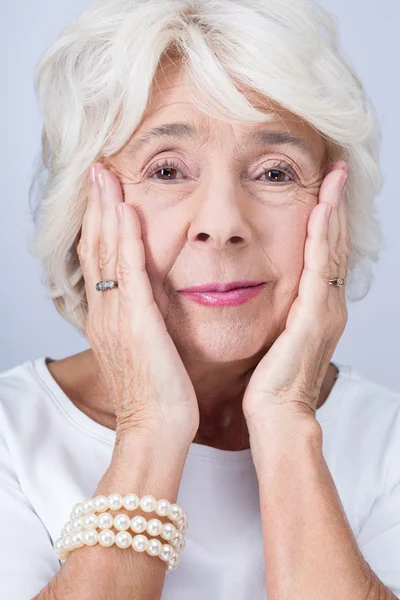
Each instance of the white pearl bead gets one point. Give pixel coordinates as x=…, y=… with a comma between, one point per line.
x=175, y=512
x=148, y=503
x=90, y=537
x=168, y=531
x=87, y=506
x=67, y=529
x=58, y=545
x=181, y=545
x=67, y=542
x=105, y=521
x=181, y=524
x=123, y=539
x=177, y=537
x=77, y=510
x=122, y=522
x=163, y=507
x=131, y=501
x=154, y=527
x=77, y=524
x=175, y=558
x=100, y=503
x=90, y=521
x=114, y=501
x=154, y=547
x=171, y=568
x=138, y=524
x=106, y=538
x=76, y=540
x=140, y=543
x=166, y=553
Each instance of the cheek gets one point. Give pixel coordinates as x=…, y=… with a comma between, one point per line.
x=162, y=243
x=284, y=234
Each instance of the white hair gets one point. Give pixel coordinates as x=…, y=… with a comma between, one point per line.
x=93, y=84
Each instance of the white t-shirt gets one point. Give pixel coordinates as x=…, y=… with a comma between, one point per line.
x=52, y=456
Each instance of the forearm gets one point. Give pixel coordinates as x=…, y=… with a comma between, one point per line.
x=143, y=466
x=310, y=550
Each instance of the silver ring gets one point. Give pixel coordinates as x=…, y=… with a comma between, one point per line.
x=101, y=286
x=336, y=282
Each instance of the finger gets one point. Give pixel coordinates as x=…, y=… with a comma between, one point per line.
x=339, y=268
x=334, y=197
x=89, y=241
x=135, y=291
x=314, y=288
x=111, y=195
x=335, y=237
x=344, y=236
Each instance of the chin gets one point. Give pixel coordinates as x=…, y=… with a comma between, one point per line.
x=216, y=346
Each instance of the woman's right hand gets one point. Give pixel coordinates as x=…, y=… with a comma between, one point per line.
x=144, y=374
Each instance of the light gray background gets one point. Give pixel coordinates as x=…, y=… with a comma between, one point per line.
x=30, y=325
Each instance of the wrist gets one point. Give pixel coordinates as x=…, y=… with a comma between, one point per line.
x=280, y=432
x=146, y=464
x=174, y=430
x=274, y=419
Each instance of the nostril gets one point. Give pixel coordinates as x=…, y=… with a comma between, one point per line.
x=203, y=236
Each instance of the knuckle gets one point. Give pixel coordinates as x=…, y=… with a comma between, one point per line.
x=83, y=248
x=105, y=255
x=123, y=271
x=347, y=245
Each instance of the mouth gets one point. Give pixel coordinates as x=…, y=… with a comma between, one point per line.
x=222, y=286
x=231, y=297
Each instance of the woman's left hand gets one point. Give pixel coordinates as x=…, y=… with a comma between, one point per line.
x=288, y=379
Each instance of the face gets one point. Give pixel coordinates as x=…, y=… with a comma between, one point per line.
x=214, y=208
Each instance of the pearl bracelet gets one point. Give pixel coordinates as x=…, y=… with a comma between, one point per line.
x=81, y=529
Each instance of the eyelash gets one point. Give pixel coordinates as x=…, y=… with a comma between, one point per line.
x=163, y=163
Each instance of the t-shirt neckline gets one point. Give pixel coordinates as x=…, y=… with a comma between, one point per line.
x=84, y=422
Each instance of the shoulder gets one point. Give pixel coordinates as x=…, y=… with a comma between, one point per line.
x=368, y=427
x=22, y=396
x=371, y=401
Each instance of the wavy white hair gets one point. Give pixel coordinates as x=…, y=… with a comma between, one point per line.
x=94, y=81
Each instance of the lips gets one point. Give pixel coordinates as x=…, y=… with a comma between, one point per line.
x=232, y=297
x=221, y=286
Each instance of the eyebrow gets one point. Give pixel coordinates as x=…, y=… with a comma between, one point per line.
x=187, y=132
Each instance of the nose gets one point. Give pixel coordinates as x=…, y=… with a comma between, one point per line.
x=220, y=218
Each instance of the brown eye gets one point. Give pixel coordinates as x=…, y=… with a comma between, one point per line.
x=279, y=173
x=167, y=167
x=167, y=173
x=277, y=176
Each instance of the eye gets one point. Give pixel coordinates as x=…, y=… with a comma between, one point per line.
x=277, y=171
x=165, y=166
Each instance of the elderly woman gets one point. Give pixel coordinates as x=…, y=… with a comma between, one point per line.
x=209, y=208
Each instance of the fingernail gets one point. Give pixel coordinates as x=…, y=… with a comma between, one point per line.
x=93, y=175
x=119, y=210
x=342, y=183
x=100, y=179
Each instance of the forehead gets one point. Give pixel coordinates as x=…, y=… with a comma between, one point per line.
x=170, y=101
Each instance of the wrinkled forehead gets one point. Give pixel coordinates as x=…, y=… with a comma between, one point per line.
x=170, y=100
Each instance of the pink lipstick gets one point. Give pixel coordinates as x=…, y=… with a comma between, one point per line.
x=224, y=294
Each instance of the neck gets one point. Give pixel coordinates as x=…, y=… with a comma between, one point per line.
x=219, y=391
